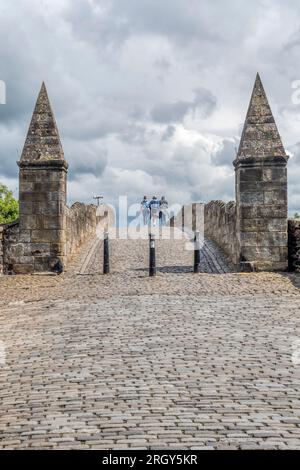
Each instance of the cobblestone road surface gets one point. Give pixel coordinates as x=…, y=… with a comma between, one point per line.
x=180, y=361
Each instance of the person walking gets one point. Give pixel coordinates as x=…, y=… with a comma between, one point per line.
x=145, y=210
x=154, y=210
x=163, y=210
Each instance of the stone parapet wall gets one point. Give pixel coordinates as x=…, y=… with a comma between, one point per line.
x=19, y=256
x=81, y=223
x=294, y=245
x=220, y=224
x=190, y=218
x=215, y=220
x=12, y=249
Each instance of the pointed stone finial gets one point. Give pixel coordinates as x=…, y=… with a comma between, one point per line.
x=260, y=137
x=42, y=142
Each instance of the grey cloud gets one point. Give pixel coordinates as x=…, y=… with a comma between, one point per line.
x=226, y=155
x=87, y=158
x=87, y=124
x=204, y=103
x=136, y=134
x=11, y=145
x=163, y=64
x=96, y=23
x=293, y=41
x=168, y=133
x=170, y=112
x=108, y=23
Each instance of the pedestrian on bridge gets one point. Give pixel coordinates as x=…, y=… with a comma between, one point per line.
x=154, y=210
x=145, y=210
x=163, y=210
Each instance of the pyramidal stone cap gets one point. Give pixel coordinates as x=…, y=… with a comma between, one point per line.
x=260, y=137
x=42, y=145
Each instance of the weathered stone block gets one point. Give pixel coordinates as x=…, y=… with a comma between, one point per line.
x=270, y=211
x=46, y=235
x=264, y=254
x=28, y=222
x=272, y=239
x=48, y=186
x=263, y=225
x=270, y=265
x=33, y=197
x=26, y=208
x=47, y=208
x=253, y=225
x=23, y=268
x=18, y=249
x=58, y=176
x=57, y=249
x=252, y=186
x=39, y=249
x=275, y=174
x=24, y=236
x=248, y=239
x=249, y=186
x=49, y=222
x=248, y=212
x=26, y=260
x=42, y=264
x=253, y=197
x=273, y=186
x=53, y=222
x=275, y=197
x=26, y=186
x=251, y=174
x=277, y=224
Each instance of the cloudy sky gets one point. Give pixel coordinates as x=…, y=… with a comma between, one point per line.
x=149, y=95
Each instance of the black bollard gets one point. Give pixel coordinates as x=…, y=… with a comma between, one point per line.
x=197, y=252
x=106, y=254
x=152, y=263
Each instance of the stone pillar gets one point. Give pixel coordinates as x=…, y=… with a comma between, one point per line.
x=261, y=189
x=42, y=194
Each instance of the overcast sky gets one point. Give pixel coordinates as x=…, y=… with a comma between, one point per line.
x=149, y=95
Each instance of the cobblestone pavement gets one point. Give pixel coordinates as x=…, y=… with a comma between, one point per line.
x=179, y=361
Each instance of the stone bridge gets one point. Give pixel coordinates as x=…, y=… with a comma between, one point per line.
x=178, y=361
x=252, y=231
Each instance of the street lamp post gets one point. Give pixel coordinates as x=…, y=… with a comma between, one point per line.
x=98, y=199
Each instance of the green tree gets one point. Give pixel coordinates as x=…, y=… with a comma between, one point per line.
x=9, y=207
x=296, y=216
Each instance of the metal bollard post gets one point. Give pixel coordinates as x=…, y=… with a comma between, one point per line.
x=152, y=263
x=197, y=252
x=106, y=254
